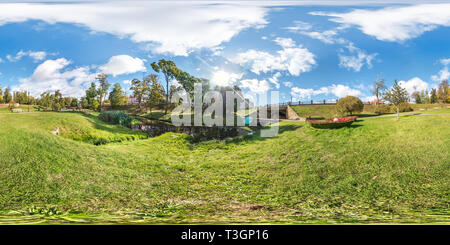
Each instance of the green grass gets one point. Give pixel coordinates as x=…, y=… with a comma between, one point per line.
x=327, y=111
x=4, y=108
x=377, y=170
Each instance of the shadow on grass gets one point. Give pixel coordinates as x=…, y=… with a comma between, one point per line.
x=97, y=124
x=257, y=135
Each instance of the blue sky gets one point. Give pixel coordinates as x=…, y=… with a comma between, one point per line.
x=305, y=52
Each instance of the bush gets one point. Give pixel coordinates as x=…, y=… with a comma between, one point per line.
x=116, y=117
x=349, y=105
x=382, y=109
x=404, y=107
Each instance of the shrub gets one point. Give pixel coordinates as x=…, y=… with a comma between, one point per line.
x=349, y=105
x=404, y=107
x=382, y=109
x=116, y=117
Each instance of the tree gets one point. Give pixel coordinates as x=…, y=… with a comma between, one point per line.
x=433, y=96
x=424, y=98
x=349, y=104
x=91, y=95
x=1, y=95
x=116, y=97
x=170, y=71
x=84, y=103
x=417, y=97
x=443, y=92
x=7, y=97
x=156, y=95
x=95, y=105
x=103, y=89
x=74, y=102
x=378, y=88
x=140, y=89
x=396, y=96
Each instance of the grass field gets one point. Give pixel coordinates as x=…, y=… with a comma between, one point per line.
x=377, y=170
x=4, y=108
x=327, y=111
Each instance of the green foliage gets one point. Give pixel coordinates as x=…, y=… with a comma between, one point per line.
x=396, y=96
x=170, y=71
x=404, y=107
x=349, y=104
x=94, y=105
x=433, y=96
x=91, y=96
x=103, y=88
x=74, y=102
x=84, y=103
x=117, y=96
x=116, y=117
x=140, y=89
x=382, y=109
x=156, y=96
x=443, y=92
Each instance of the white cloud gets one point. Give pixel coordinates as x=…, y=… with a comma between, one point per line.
x=274, y=79
x=337, y=90
x=35, y=55
x=294, y=59
x=223, y=78
x=172, y=27
x=299, y=26
x=357, y=58
x=443, y=74
x=414, y=84
x=122, y=64
x=445, y=61
x=395, y=24
x=127, y=82
x=369, y=98
x=50, y=76
x=288, y=84
x=284, y=42
x=342, y=91
x=255, y=86
x=327, y=36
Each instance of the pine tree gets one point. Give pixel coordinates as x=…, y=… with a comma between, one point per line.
x=396, y=95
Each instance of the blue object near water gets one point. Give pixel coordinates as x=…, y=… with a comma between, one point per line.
x=247, y=120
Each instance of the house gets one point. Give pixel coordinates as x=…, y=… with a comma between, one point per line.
x=374, y=102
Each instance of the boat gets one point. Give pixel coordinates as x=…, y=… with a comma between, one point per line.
x=335, y=122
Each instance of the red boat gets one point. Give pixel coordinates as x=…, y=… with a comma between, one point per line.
x=335, y=122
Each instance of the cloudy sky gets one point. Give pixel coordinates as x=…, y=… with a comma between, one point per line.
x=323, y=51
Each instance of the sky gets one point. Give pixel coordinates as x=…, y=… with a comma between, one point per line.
x=306, y=50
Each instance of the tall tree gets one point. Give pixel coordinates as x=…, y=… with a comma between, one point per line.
x=140, y=89
x=91, y=94
x=170, y=71
x=156, y=95
x=396, y=95
x=378, y=88
x=417, y=98
x=443, y=92
x=116, y=96
x=102, y=91
x=1, y=94
x=7, y=96
x=433, y=96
